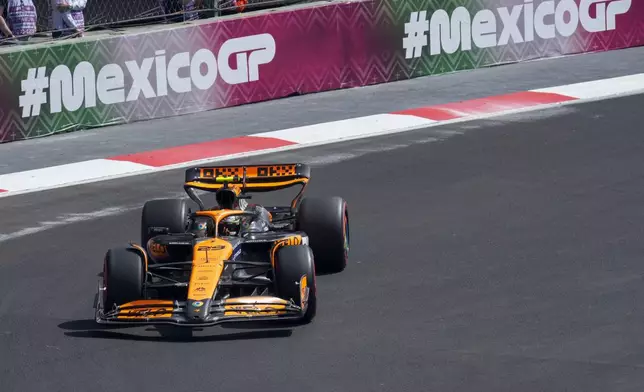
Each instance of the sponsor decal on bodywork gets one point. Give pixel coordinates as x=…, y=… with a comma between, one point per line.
x=304, y=292
x=289, y=241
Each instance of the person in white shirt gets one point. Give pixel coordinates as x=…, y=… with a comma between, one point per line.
x=68, y=18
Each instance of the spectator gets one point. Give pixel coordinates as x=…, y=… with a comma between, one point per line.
x=68, y=18
x=20, y=19
x=189, y=8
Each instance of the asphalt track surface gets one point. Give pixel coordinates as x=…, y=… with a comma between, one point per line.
x=315, y=108
x=497, y=255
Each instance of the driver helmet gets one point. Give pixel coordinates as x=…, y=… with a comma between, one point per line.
x=230, y=226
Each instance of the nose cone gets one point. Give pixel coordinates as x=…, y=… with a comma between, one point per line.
x=198, y=310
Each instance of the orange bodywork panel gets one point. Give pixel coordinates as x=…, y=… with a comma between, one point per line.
x=255, y=306
x=304, y=293
x=219, y=215
x=207, y=266
x=278, y=170
x=251, y=186
x=146, y=309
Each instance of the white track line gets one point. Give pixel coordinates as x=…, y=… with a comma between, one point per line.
x=308, y=136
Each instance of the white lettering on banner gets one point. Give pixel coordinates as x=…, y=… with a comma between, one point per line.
x=546, y=19
x=64, y=91
x=181, y=73
x=448, y=35
x=247, y=66
x=110, y=84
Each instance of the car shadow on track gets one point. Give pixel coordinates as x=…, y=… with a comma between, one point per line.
x=89, y=329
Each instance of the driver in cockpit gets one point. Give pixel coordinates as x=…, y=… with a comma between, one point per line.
x=227, y=199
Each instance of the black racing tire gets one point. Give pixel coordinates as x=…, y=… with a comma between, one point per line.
x=168, y=213
x=326, y=223
x=123, y=276
x=291, y=263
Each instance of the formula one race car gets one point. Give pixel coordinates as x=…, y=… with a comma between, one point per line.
x=230, y=263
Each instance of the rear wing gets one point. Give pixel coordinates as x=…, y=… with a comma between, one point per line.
x=249, y=178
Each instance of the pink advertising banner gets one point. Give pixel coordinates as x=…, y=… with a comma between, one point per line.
x=263, y=56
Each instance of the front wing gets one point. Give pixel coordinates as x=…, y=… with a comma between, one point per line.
x=199, y=313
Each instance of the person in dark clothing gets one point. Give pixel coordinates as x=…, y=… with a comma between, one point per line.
x=187, y=7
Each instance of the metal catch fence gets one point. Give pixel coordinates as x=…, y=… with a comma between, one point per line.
x=122, y=13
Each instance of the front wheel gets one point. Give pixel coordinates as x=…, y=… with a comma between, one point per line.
x=123, y=276
x=294, y=266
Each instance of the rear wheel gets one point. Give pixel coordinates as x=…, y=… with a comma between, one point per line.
x=326, y=222
x=291, y=264
x=123, y=276
x=168, y=214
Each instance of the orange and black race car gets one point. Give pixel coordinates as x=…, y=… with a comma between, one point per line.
x=233, y=262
